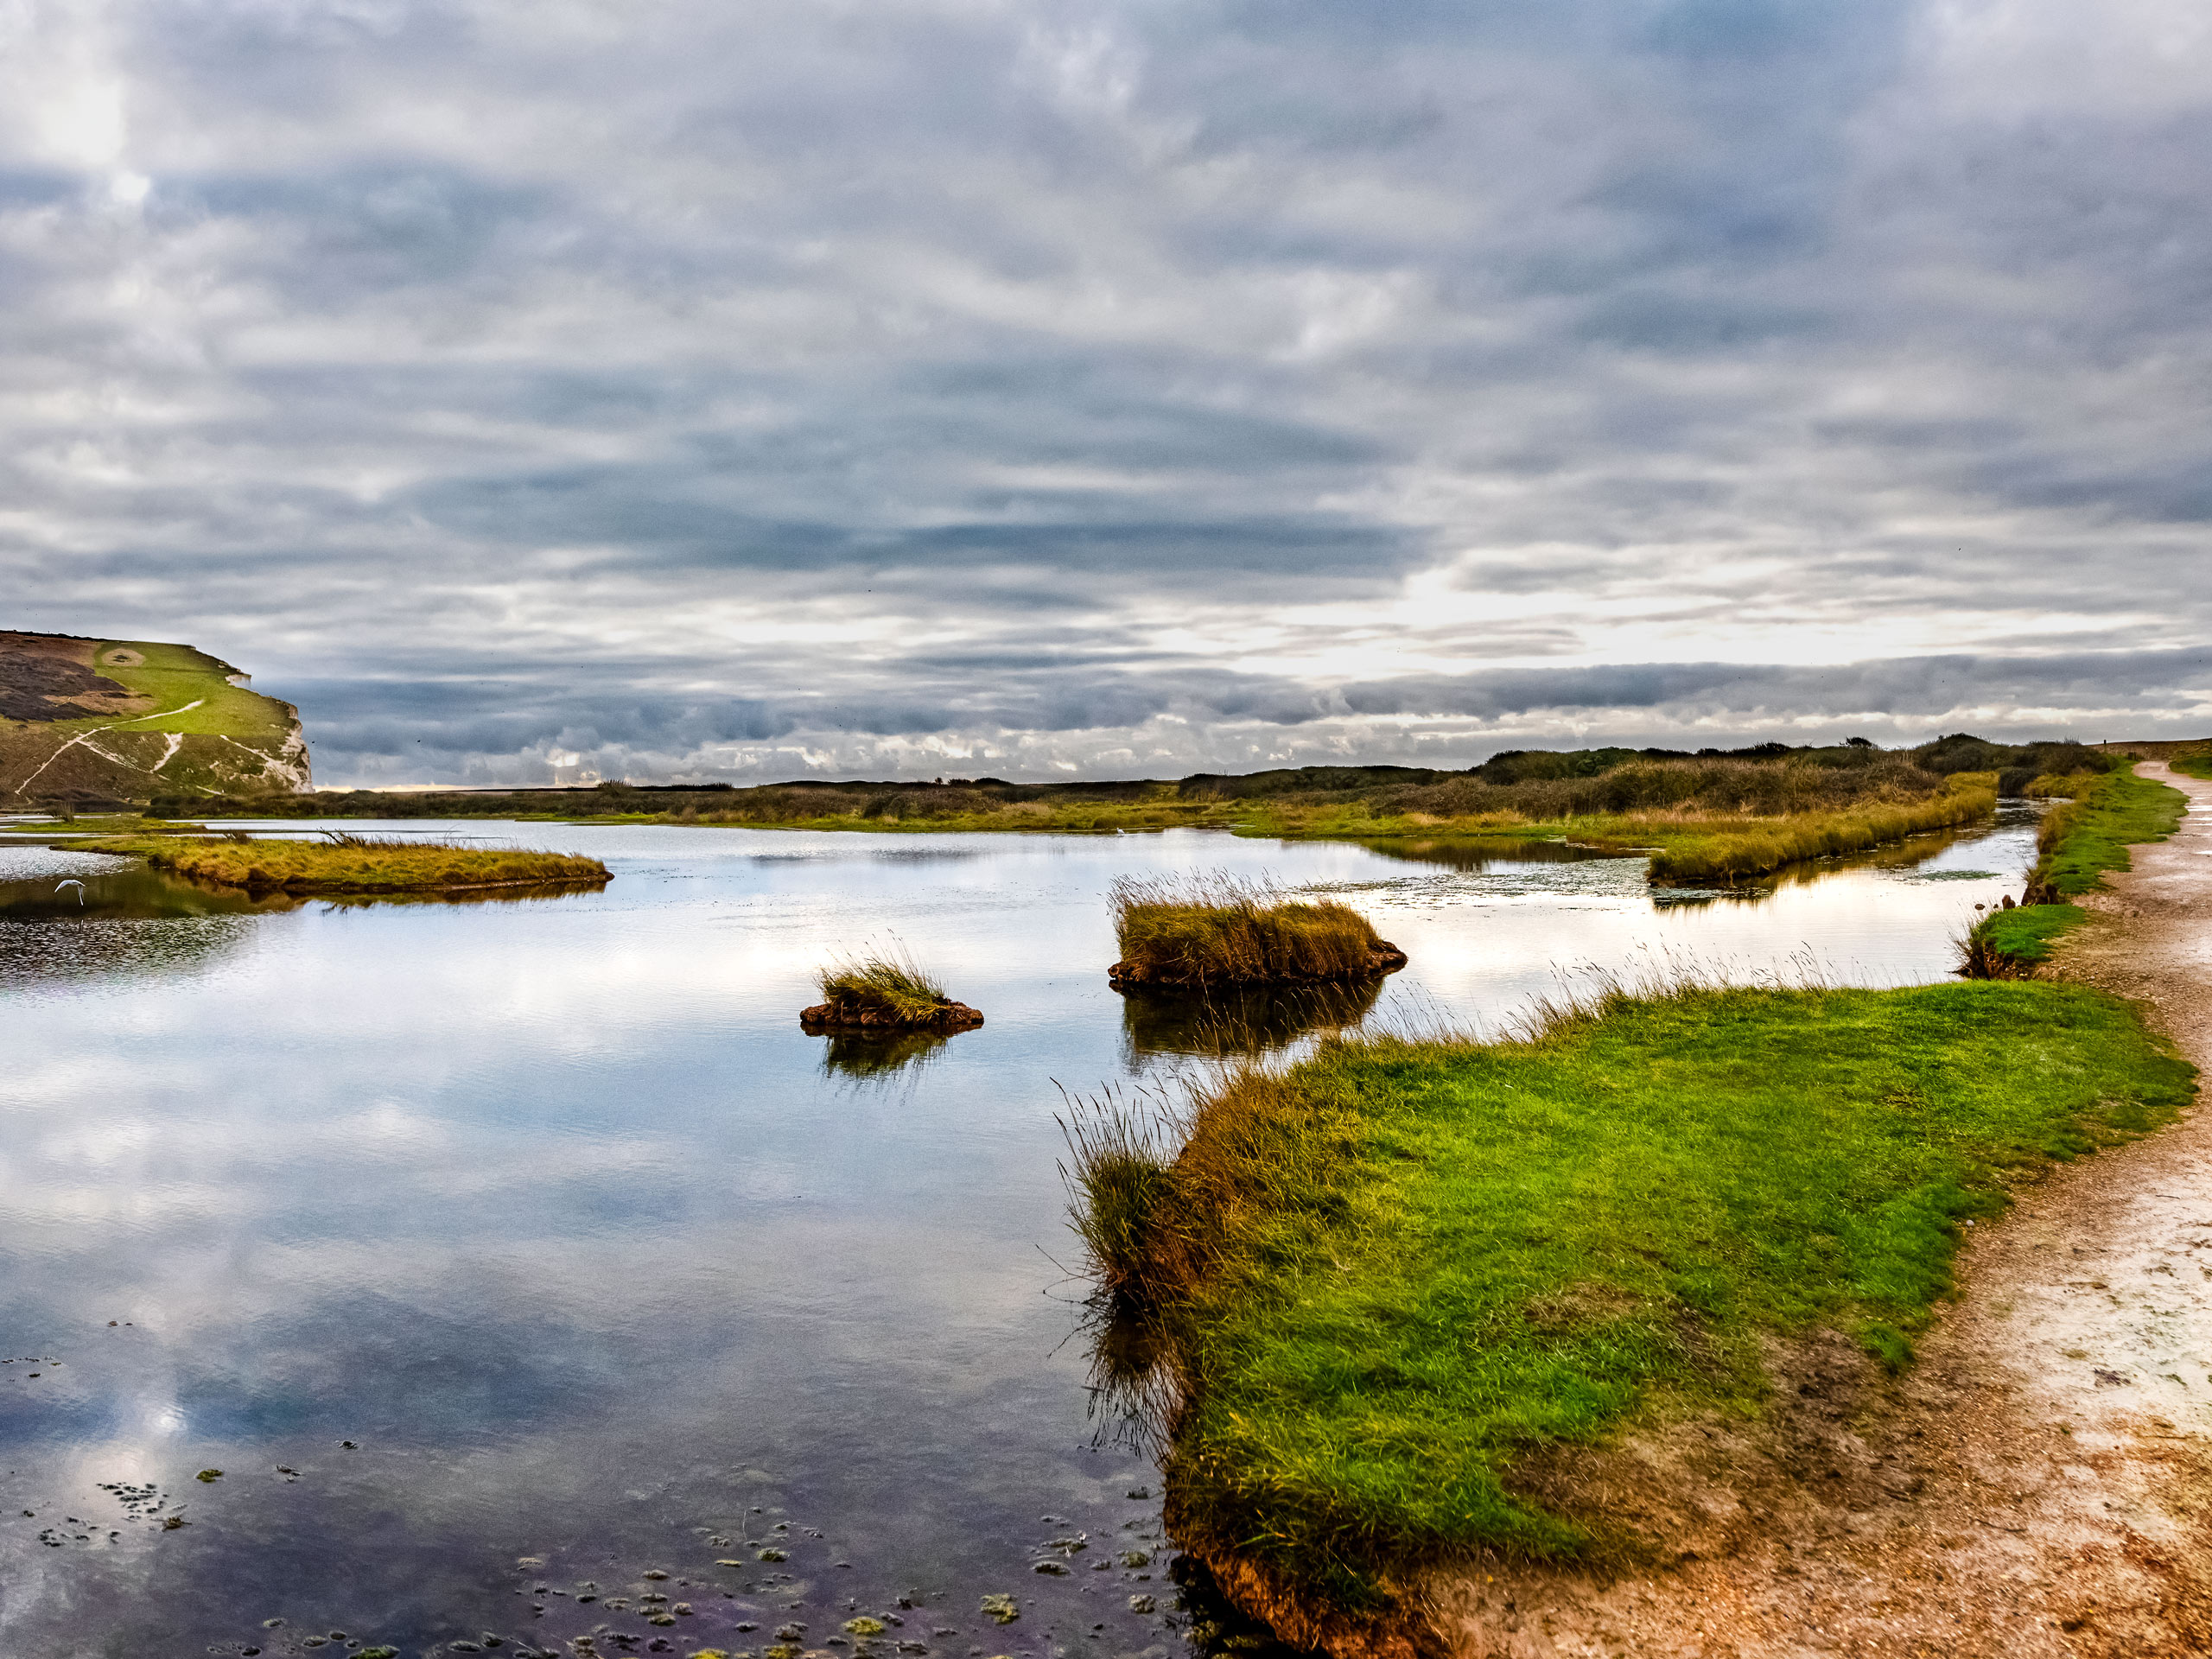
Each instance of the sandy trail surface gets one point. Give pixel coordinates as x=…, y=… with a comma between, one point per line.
x=2040, y=1483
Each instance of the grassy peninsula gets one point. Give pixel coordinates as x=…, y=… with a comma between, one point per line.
x=1387, y=1283
x=352, y=864
x=1392, y=1273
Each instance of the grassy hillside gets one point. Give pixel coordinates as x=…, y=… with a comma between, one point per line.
x=98, y=721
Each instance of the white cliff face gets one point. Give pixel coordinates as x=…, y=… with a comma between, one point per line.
x=291, y=768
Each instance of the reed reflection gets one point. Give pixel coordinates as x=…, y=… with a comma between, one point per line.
x=866, y=1057
x=1230, y=1022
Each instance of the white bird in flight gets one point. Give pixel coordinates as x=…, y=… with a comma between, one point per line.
x=77, y=884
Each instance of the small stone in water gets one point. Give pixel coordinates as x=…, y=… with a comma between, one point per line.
x=864, y=1626
x=1136, y=1558
x=209, y=1474
x=655, y=1573
x=1051, y=1568
x=771, y=1555
x=1004, y=1609
x=1140, y=1491
x=1142, y=1603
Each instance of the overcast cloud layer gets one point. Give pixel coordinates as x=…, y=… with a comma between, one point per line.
x=678, y=389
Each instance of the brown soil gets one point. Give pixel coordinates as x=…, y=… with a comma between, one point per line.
x=1385, y=958
x=2039, y=1484
x=826, y=1017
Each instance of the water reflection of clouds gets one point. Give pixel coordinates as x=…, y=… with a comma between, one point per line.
x=562, y=1195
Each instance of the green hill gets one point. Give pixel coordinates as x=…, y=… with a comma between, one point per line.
x=85, y=721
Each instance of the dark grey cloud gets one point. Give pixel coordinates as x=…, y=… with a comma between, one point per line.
x=689, y=389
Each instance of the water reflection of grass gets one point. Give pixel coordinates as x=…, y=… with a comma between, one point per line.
x=1228, y=1020
x=866, y=1055
x=1391, y=1276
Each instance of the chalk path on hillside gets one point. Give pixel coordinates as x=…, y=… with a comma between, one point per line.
x=2039, y=1484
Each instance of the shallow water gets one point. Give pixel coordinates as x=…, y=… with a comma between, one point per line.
x=541, y=1248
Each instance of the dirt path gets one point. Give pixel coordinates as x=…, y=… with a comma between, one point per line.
x=2039, y=1485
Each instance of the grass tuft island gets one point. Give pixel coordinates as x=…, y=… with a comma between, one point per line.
x=1218, y=931
x=343, y=864
x=884, y=994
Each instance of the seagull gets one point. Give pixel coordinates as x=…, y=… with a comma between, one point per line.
x=77, y=884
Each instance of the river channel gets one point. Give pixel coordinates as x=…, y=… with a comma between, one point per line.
x=502, y=1255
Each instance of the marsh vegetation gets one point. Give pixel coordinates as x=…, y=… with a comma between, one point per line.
x=2079, y=842
x=884, y=991
x=1387, y=1278
x=1220, y=930
x=1714, y=816
x=340, y=864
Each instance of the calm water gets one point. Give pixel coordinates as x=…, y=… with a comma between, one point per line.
x=499, y=1253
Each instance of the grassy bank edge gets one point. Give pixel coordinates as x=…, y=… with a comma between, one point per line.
x=2080, y=843
x=1392, y=1273
x=355, y=865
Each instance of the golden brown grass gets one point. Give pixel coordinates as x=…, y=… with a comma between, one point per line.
x=1220, y=930
x=1729, y=851
x=355, y=864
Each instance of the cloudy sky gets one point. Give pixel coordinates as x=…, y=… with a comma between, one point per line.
x=687, y=389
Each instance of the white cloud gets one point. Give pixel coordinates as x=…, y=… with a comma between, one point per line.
x=789, y=386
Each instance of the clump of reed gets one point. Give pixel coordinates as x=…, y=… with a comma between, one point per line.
x=1219, y=929
x=884, y=990
x=1119, y=1173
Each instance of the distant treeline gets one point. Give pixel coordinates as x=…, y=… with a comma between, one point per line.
x=1537, y=783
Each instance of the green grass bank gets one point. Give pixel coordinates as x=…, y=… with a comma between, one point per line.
x=1393, y=1275
x=2080, y=843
